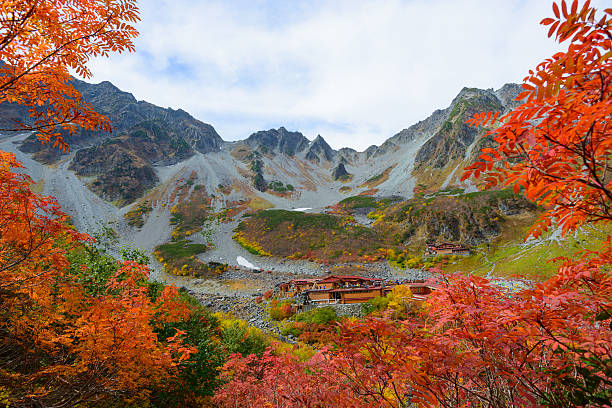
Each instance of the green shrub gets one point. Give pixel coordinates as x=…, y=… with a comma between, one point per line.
x=359, y=202
x=375, y=305
x=200, y=373
x=180, y=249
x=294, y=329
x=278, y=187
x=319, y=315
x=239, y=338
x=136, y=217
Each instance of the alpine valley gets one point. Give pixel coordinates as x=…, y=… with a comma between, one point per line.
x=215, y=214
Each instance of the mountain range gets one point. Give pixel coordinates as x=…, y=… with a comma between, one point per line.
x=153, y=151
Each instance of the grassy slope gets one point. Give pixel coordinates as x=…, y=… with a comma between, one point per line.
x=512, y=255
x=334, y=238
x=320, y=237
x=441, y=217
x=399, y=233
x=179, y=257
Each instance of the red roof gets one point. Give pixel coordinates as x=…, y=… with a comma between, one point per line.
x=299, y=282
x=446, y=245
x=415, y=296
x=357, y=289
x=348, y=278
x=419, y=285
x=305, y=280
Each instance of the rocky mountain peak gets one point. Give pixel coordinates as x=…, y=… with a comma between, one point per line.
x=453, y=138
x=467, y=94
x=291, y=143
x=125, y=112
x=440, y=146
x=319, y=139
x=508, y=93
x=104, y=96
x=319, y=149
x=278, y=141
x=370, y=151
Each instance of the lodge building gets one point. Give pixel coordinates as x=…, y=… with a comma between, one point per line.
x=346, y=289
x=295, y=286
x=447, y=249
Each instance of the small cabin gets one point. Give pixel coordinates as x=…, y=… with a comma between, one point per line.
x=344, y=295
x=447, y=249
x=320, y=296
x=295, y=287
x=357, y=295
x=344, y=289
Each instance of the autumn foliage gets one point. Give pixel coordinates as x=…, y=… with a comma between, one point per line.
x=280, y=310
x=556, y=145
x=475, y=343
x=41, y=41
x=60, y=344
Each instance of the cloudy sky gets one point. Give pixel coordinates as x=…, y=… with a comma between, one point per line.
x=354, y=71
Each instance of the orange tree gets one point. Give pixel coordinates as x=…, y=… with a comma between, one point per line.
x=477, y=344
x=40, y=41
x=61, y=344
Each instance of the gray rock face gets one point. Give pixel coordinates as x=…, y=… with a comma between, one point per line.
x=319, y=149
x=125, y=112
x=123, y=165
x=452, y=140
x=347, y=154
x=507, y=95
x=369, y=152
x=514, y=205
x=407, y=136
x=340, y=172
x=11, y=114
x=119, y=174
x=451, y=227
x=278, y=141
x=423, y=127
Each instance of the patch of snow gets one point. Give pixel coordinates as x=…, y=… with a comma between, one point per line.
x=243, y=262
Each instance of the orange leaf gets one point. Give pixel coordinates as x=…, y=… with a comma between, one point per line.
x=556, y=10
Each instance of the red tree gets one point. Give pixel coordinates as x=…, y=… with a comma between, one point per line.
x=476, y=344
x=556, y=145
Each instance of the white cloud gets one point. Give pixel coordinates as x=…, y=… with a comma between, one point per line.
x=354, y=71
